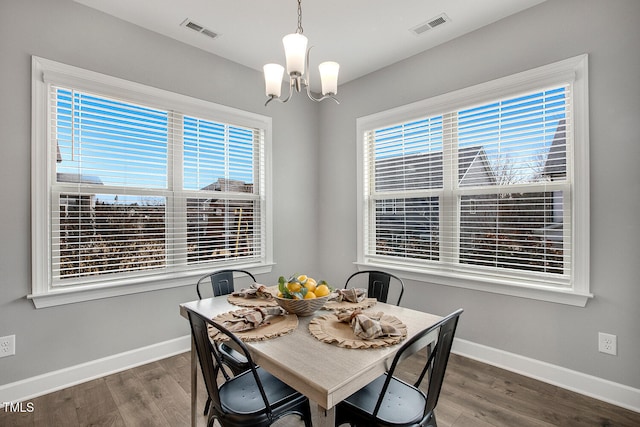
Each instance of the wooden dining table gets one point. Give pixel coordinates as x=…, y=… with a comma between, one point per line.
x=324, y=372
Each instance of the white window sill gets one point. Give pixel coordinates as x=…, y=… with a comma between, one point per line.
x=542, y=293
x=73, y=294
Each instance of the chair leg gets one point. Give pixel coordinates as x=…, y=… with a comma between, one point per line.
x=207, y=405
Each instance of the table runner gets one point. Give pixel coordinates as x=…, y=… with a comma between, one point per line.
x=346, y=305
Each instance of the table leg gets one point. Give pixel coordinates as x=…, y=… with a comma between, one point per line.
x=322, y=417
x=194, y=384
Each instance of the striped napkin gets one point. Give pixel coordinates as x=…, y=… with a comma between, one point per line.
x=250, y=318
x=349, y=295
x=256, y=290
x=367, y=326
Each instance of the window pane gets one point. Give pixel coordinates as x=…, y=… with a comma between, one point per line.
x=409, y=156
x=521, y=231
x=513, y=141
x=101, y=140
x=220, y=229
x=218, y=157
x=407, y=228
x=106, y=233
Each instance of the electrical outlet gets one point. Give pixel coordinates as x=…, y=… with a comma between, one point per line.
x=607, y=343
x=7, y=346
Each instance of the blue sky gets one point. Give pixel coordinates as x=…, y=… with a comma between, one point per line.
x=127, y=145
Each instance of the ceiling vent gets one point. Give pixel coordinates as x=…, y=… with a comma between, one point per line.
x=431, y=23
x=199, y=28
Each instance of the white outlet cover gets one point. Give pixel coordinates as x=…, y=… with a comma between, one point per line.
x=7, y=346
x=607, y=343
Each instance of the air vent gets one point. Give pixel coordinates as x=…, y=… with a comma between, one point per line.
x=199, y=28
x=431, y=23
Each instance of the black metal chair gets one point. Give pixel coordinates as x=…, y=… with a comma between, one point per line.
x=389, y=401
x=253, y=398
x=221, y=281
x=378, y=284
x=222, y=284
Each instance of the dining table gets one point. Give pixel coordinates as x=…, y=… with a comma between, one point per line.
x=324, y=372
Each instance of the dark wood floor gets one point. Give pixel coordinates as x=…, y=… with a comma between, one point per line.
x=474, y=394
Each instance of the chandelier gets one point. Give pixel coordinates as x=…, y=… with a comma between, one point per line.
x=297, y=58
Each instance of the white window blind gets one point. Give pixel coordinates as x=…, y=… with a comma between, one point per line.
x=140, y=186
x=483, y=191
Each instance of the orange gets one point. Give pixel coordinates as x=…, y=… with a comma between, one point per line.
x=309, y=295
x=322, y=290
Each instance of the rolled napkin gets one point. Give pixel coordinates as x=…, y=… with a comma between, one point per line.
x=349, y=295
x=256, y=290
x=250, y=318
x=367, y=326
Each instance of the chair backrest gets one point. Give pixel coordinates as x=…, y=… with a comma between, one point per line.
x=435, y=361
x=378, y=284
x=221, y=281
x=211, y=359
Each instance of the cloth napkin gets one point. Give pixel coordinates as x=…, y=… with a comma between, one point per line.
x=250, y=318
x=349, y=295
x=256, y=290
x=367, y=326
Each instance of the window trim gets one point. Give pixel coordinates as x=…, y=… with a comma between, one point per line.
x=573, y=70
x=45, y=72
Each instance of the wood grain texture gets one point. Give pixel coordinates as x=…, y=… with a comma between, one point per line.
x=473, y=395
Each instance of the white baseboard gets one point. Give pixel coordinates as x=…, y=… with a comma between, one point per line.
x=29, y=388
x=607, y=391
x=598, y=388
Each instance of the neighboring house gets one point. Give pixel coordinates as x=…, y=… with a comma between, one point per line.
x=494, y=227
x=71, y=201
x=555, y=168
x=221, y=227
x=412, y=224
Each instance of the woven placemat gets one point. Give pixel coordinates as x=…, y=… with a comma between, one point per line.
x=277, y=326
x=346, y=305
x=327, y=328
x=254, y=302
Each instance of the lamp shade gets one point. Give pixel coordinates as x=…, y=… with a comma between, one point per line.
x=295, y=50
x=329, y=77
x=273, y=79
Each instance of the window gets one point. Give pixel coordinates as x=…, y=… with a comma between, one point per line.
x=485, y=188
x=134, y=185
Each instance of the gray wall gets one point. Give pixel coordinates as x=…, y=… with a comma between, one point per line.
x=62, y=30
x=557, y=29
x=322, y=138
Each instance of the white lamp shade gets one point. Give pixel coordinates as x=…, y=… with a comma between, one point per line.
x=295, y=50
x=329, y=77
x=273, y=79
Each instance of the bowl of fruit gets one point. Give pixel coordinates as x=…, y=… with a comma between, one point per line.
x=302, y=295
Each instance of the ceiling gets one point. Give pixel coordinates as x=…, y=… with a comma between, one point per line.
x=361, y=35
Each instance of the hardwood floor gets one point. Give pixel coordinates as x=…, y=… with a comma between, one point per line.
x=474, y=394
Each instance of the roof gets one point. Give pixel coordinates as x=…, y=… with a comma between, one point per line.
x=424, y=170
x=78, y=178
x=556, y=164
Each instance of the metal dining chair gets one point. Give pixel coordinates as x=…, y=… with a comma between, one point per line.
x=221, y=281
x=378, y=284
x=222, y=284
x=252, y=398
x=389, y=401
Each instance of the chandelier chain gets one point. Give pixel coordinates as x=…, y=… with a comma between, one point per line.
x=299, y=30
